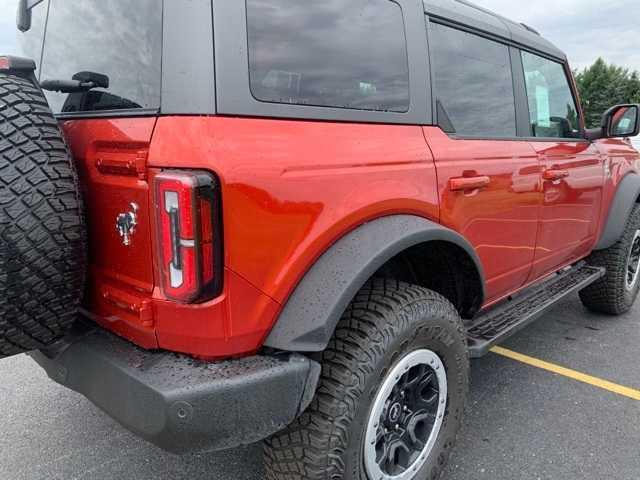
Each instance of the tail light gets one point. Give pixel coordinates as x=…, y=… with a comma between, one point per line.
x=188, y=235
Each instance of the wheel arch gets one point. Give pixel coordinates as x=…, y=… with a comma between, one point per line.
x=310, y=315
x=627, y=195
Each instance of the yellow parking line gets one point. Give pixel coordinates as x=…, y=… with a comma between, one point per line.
x=566, y=372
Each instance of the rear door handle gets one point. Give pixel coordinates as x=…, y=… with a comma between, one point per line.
x=468, y=183
x=555, y=174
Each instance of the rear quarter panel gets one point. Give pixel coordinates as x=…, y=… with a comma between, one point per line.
x=292, y=188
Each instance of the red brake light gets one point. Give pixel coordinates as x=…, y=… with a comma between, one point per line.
x=9, y=63
x=188, y=235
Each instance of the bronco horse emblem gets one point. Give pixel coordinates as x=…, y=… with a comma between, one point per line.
x=126, y=224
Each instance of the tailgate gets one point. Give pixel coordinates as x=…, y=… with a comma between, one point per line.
x=111, y=155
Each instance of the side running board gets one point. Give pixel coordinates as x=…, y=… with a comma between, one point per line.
x=501, y=322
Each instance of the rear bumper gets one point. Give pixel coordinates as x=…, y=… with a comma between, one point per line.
x=181, y=404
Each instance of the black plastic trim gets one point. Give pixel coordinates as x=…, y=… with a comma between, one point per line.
x=181, y=404
x=139, y=112
x=508, y=318
x=234, y=95
x=312, y=312
x=627, y=194
x=523, y=122
x=519, y=139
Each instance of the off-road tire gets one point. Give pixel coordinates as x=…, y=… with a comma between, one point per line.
x=610, y=295
x=42, y=235
x=386, y=320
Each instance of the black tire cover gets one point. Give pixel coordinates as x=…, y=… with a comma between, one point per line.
x=42, y=233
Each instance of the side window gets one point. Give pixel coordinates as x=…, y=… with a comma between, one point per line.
x=473, y=83
x=552, y=108
x=332, y=53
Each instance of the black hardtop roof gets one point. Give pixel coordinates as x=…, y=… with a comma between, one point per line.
x=467, y=13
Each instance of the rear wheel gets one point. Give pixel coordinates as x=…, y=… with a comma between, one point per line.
x=42, y=239
x=391, y=397
x=617, y=291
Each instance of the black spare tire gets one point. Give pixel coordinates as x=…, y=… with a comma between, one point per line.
x=42, y=234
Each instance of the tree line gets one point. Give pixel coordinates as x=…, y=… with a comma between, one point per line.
x=603, y=85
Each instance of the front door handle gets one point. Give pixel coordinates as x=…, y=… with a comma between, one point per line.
x=468, y=183
x=555, y=174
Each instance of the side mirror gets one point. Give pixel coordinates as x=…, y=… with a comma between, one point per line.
x=23, y=20
x=564, y=126
x=98, y=79
x=622, y=121
x=618, y=122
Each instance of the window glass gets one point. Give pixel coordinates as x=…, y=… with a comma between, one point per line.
x=473, y=83
x=332, y=53
x=552, y=109
x=117, y=38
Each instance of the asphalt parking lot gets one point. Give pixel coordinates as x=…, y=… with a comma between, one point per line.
x=523, y=422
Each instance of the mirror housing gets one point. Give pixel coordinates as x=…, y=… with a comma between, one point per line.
x=99, y=80
x=23, y=19
x=620, y=121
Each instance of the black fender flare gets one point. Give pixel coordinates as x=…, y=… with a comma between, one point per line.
x=627, y=195
x=313, y=310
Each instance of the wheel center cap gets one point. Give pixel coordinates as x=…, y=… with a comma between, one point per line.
x=394, y=412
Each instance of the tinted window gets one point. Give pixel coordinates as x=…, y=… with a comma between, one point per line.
x=552, y=109
x=332, y=53
x=118, y=38
x=473, y=83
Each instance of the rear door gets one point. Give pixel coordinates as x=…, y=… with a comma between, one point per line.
x=488, y=177
x=573, y=168
x=109, y=131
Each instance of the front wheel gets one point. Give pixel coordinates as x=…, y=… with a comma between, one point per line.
x=391, y=397
x=617, y=291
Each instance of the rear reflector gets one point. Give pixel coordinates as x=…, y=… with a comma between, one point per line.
x=188, y=235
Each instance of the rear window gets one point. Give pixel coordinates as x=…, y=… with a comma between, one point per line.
x=121, y=39
x=330, y=53
x=473, y=83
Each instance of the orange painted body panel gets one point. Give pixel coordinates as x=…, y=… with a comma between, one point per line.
x=111, y=157
x=571, y=205
x=499, y=220
x=290, y=189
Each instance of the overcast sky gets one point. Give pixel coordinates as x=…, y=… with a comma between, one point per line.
x=585, y=29
x=7, y=26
